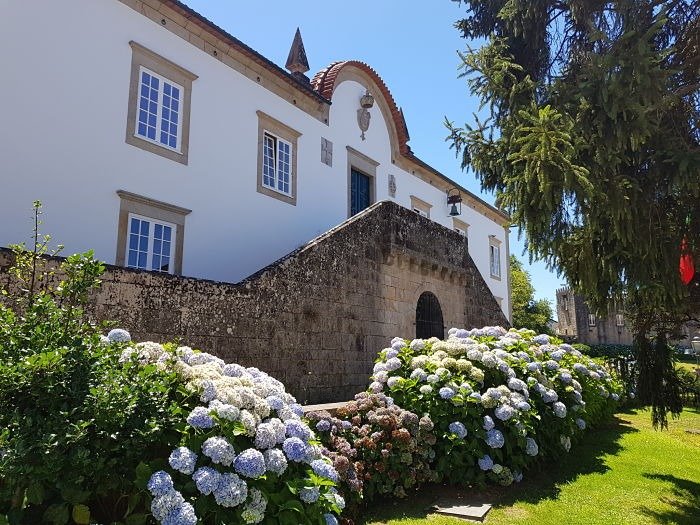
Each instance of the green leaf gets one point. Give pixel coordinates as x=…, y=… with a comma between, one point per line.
x=57, y=514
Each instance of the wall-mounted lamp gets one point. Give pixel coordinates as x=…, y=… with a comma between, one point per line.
x=363, y=115
x=454, y=198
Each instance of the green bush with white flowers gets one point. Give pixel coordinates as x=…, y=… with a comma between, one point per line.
x=500, y=399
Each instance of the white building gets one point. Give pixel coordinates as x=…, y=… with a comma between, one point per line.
x=159, y=141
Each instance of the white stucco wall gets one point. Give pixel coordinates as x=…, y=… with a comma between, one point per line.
x=65, y=92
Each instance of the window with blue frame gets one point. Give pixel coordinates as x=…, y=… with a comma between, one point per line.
x=150, y=244
x=160, y=102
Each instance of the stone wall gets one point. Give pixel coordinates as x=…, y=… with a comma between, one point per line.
x=573, y=314
x=316, y=318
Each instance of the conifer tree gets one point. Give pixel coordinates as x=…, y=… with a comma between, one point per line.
x=592, y=144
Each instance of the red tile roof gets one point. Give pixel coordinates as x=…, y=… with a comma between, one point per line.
x=324, y=84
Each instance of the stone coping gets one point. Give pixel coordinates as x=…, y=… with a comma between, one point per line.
x=328, y=407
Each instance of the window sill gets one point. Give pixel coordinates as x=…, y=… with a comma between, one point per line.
x=158, y=149
x=275, y=194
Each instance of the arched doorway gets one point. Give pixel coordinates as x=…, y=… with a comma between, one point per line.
x=429, y=317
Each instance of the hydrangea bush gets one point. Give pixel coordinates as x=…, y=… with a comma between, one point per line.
x=377, y=447
x=246, y=455
x=500, y=399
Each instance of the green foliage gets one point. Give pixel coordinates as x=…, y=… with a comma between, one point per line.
x=527, y=313
x=593, y=143
x=524, y=386
x=379, y=449
x=75, y=422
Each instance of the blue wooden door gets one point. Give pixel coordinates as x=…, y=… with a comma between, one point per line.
x=359, y=192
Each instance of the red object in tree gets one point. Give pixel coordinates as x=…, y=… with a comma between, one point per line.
x=687, y=266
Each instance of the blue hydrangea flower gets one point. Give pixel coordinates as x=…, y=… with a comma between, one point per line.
x=182, y=515
x=160, y=483
x=494, y=438
x=234, y=370
x=524, y=406
x=488, y=423
x=580, y=423
x=393, y=364
x=531, y=448
x=446, y=392
x=275, y=461
x=250, y=463
x=207, y=479
x=219, y=450
x=458, y=429
x=557, y=355
x=295, y=449
x=323, y=425
x=559, y=409
x=232, y=490
x=533, y=367
x=552, y=365
x=296, y=428
x=504, y=412
x=275, y=402
x=541, y=339
x=392, y=353
x=565, y=377
x=325, y=470
x=330, y=519
x=265, y=436
x=200, y=418
x=119, y=335
x=165, y=504
x=581, y=369
x=309, y=494
x=183, y=460
x=485, y=463
x=475, y=396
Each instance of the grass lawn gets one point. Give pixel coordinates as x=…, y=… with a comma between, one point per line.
x=625, y=473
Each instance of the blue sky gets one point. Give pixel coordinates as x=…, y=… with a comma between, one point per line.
x=413, y=46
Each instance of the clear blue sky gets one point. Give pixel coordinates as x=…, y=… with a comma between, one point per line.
x=413, y=46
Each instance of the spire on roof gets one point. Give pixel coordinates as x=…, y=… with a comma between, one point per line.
x=297, y=63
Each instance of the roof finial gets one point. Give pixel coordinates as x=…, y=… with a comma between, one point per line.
x=297, y=63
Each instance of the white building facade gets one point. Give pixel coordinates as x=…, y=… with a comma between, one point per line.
x=159, y=141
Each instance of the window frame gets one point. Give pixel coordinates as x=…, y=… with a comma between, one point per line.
x=268, y=125
x=460, y=227
x=358, y=161
x=132, y=204
x=619, y=320
x=151, y=241
x=165, y=70
x=592, y=319
x=159, y=114
x=276, y=160
x=495, y=247
x=420, y=206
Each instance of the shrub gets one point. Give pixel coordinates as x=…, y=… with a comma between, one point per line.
x=498, y=398
x=245, y=455
x=377, y=447
x=75, y=423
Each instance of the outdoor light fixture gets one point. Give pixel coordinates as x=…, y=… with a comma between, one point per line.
x=454, y=198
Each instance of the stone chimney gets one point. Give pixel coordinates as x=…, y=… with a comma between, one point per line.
x=297, y=64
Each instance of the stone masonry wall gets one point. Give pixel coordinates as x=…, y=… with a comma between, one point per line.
x=317, y=318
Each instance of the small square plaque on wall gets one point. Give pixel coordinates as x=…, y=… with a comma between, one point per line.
x=326, y=152
x=392, y=185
